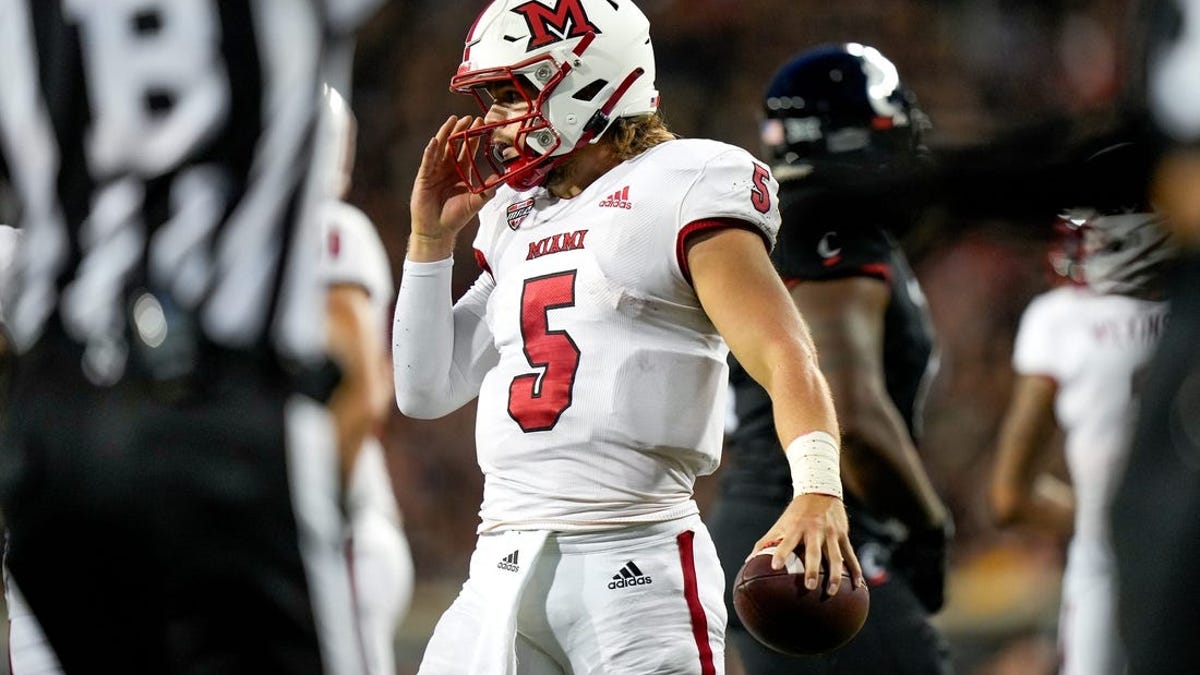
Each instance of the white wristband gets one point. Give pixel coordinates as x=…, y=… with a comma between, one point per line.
x=814, y=461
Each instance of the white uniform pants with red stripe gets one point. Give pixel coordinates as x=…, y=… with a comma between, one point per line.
x=638, y=601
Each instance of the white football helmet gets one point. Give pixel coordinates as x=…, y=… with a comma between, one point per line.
x=580, y=64
x=340, y=129
x=1119, y=253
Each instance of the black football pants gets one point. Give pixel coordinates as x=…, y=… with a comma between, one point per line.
x=157, y=536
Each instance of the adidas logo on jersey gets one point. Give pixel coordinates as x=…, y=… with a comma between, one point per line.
x=629, y=576
x=618, y=200
x=509, y=562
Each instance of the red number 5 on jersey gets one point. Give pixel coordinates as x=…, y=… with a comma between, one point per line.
x=536, y=402
x=760, y=196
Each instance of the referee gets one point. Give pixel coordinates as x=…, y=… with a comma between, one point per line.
x=169, y=475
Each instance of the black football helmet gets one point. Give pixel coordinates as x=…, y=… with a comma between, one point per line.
x=840, y=107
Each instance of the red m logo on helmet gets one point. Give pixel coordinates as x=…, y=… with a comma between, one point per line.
x=547, y=26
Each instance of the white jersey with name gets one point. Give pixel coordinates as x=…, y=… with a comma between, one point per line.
x=1094, y=346
x=608, y=397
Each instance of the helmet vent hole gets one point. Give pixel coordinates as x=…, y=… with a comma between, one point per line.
x=590, y=91
x=511, y=38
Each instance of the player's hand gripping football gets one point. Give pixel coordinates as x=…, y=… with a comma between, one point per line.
x=441, y=205
x=815, y=526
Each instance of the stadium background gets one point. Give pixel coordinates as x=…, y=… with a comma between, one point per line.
x=980, y=68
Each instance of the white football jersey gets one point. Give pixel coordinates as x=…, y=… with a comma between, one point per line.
x=1095, y=347
x=609, y=394
x=352, y=253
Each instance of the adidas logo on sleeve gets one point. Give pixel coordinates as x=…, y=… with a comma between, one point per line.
x=618, y=200
x=509, y=562
x=628, y=576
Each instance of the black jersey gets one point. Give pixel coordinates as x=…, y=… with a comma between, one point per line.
x=163, y=155
x=844, y=248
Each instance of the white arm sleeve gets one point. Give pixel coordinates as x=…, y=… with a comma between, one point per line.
x=440, y=351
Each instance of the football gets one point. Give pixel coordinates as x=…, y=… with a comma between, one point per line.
x=781, y=613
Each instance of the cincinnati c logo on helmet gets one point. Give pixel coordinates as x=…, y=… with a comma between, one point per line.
x=547, y=26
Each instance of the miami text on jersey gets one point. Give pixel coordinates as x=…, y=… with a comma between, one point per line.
x=563, y=241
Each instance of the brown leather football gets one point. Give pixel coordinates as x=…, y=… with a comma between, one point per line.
x=781, y=613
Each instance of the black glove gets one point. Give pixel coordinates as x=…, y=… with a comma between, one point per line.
x=922, y=558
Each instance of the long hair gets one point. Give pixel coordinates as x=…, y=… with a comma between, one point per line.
x=625, y=138
x=631, y=136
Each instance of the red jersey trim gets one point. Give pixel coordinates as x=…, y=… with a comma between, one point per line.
x=481, y=260
x=698, y=226
x=881, y=271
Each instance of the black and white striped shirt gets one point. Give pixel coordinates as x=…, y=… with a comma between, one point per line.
x=170, y=146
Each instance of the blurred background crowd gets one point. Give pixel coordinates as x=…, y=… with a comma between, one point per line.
x=982, y=70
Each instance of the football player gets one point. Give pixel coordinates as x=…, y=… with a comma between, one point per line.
x=355, y=266
x=1080, y=352
x=844, y=135
x=620, y=265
